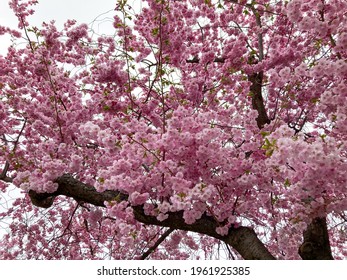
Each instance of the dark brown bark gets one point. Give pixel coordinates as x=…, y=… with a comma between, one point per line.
x=242, y=239
x=69, y=186
x=316, y=245
x=157, y=243
x=257, y=98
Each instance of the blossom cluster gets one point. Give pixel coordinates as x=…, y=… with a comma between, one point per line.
x=166, y=112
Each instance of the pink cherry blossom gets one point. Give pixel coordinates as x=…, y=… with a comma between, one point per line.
x=195, y=123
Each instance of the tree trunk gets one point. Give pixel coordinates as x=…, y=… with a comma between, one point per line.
x=316, y=245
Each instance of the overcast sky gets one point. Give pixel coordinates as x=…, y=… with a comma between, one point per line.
x=60, y=10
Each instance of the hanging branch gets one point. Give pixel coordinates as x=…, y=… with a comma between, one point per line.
x=157, y=243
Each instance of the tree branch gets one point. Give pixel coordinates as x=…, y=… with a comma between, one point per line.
x=195, y=59
x=3, y=175
x=242, y=239
x=256, y=80
x=156, y=244
x=257, y=98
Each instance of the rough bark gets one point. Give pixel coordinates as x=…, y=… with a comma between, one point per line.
x=243, y=239
x=69, y=186
x=316, y=245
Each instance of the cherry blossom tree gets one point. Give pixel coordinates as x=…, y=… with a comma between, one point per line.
x=198, y=125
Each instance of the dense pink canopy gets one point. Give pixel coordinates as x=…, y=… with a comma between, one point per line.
x=200, y=123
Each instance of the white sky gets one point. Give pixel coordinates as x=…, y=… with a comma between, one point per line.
x=84, y=11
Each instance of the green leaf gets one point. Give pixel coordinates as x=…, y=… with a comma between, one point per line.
x=264, y=133
x=269, y=153
x=181, y=195
x=267, y=142
x=155, y=31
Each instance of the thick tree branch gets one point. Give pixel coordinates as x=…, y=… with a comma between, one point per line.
x=242, y=239
x=316, y=245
